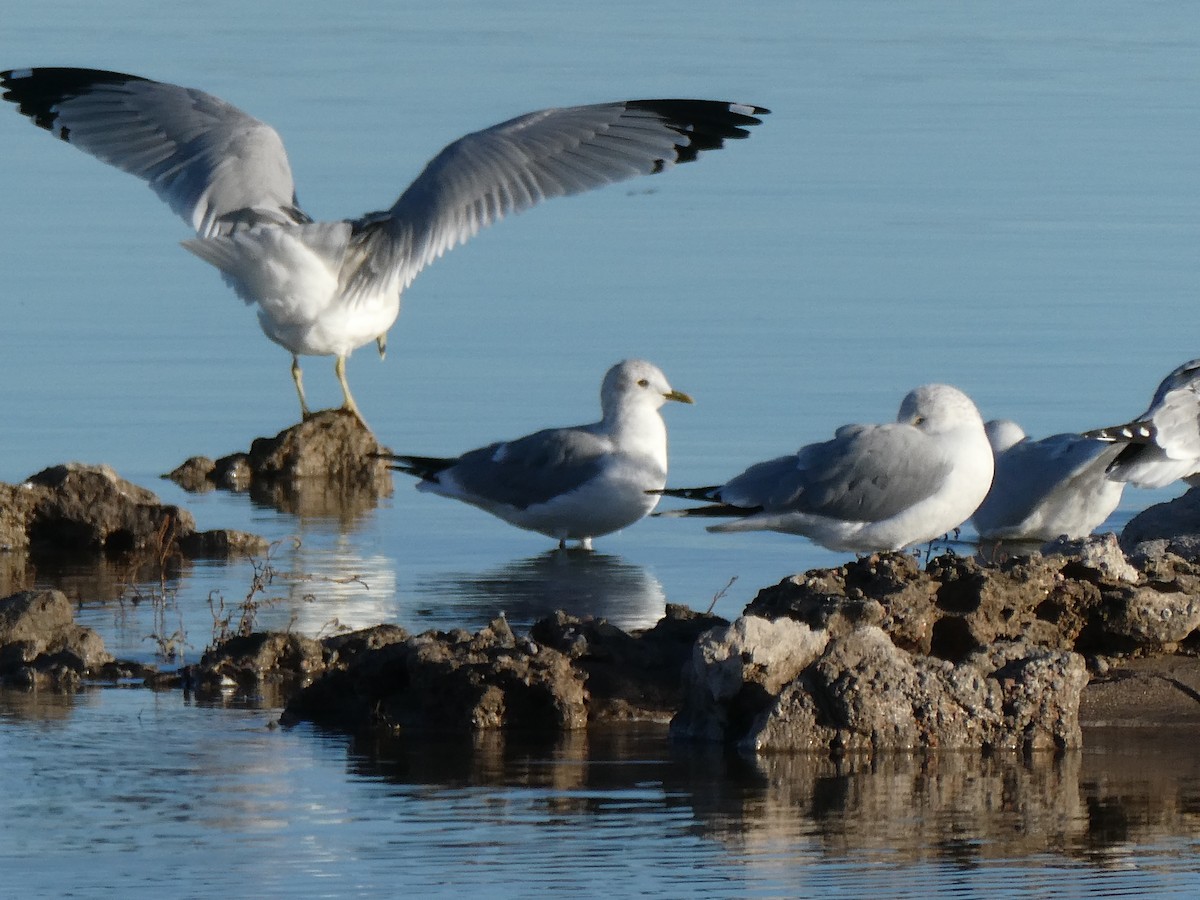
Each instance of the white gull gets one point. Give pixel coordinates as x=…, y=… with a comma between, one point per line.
x=569, y=483
x=872, y=487
x=327, y=288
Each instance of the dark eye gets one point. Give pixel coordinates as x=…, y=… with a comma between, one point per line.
x=642, y=382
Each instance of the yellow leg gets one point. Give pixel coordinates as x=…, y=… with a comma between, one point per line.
x=348, y=404
x=298, y=377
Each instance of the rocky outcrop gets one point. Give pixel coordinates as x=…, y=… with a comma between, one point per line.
x=40, y=641
x=77, y=509
x=326, y=465
x=782, y=686
x=956, y=606
x=566, y=674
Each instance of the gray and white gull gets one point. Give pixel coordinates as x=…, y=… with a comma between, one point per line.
x=1161, y=445
x=569, y=483
x=1047, y=488
x=872, y=487
x=327, y=288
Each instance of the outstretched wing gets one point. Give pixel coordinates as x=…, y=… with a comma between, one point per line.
x=213, y=164
x=502, y=170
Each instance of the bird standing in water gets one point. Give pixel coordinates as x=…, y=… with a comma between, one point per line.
x=571, y=484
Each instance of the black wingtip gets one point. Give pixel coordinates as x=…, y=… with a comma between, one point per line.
x=38, y=91
x=1131, y=433
x=707, y=494
x=706, y=124
x=423, y=467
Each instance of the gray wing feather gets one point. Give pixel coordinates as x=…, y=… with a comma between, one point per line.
x=505, y=169
x=864, y=474
x=533, y=469
x=214, y=165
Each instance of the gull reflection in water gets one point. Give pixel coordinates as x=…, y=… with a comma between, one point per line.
x=320, y=588
x=579, y=582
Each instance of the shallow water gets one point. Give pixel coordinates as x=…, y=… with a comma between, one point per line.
x=125, y=790
x=1002, y=197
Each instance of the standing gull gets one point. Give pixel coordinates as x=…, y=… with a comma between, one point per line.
x=1048, y=488
x=327, y=288
x=569, y=483
x=873, y=487
x=1163, y=443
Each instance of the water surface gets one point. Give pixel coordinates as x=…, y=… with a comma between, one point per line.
x=1002, y=196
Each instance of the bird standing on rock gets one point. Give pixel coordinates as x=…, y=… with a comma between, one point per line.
x=572, y=484
x=327, y=288
x=872, y=487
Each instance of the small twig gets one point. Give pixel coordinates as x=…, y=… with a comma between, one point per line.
x=720, y=594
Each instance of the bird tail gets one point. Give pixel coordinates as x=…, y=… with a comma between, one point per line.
x=423, y=467
x=711, y=495
x=698, y=493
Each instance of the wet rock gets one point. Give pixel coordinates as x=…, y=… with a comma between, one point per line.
x=628, y=676
x=91, y=508
x=326, y=465
x=860, y=692
x=451, y=681
x=38, y=635
x=75, y=509
x=249, y=659
x=566, y=674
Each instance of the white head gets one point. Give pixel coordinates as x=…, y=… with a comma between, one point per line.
x=1003, y=434
x=635, y=382
x=936, y=408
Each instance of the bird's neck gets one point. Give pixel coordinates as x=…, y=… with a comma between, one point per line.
x=639, y=430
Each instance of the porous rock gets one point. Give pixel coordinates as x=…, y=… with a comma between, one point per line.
x=1084, y=602
x=566, y=674
x=863, y=693
x=448, y=681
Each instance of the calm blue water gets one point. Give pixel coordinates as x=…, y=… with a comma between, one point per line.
x=1001, y=196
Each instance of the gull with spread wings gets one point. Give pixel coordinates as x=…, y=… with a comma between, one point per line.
x=327, y=288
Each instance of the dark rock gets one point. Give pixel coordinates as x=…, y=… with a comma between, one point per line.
x=90, y=508
x=454, y=681
x=326, y=465
x=248, y=659
x=38, y=634
x=81, y=510
x=629, y=676
x=194, y=474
